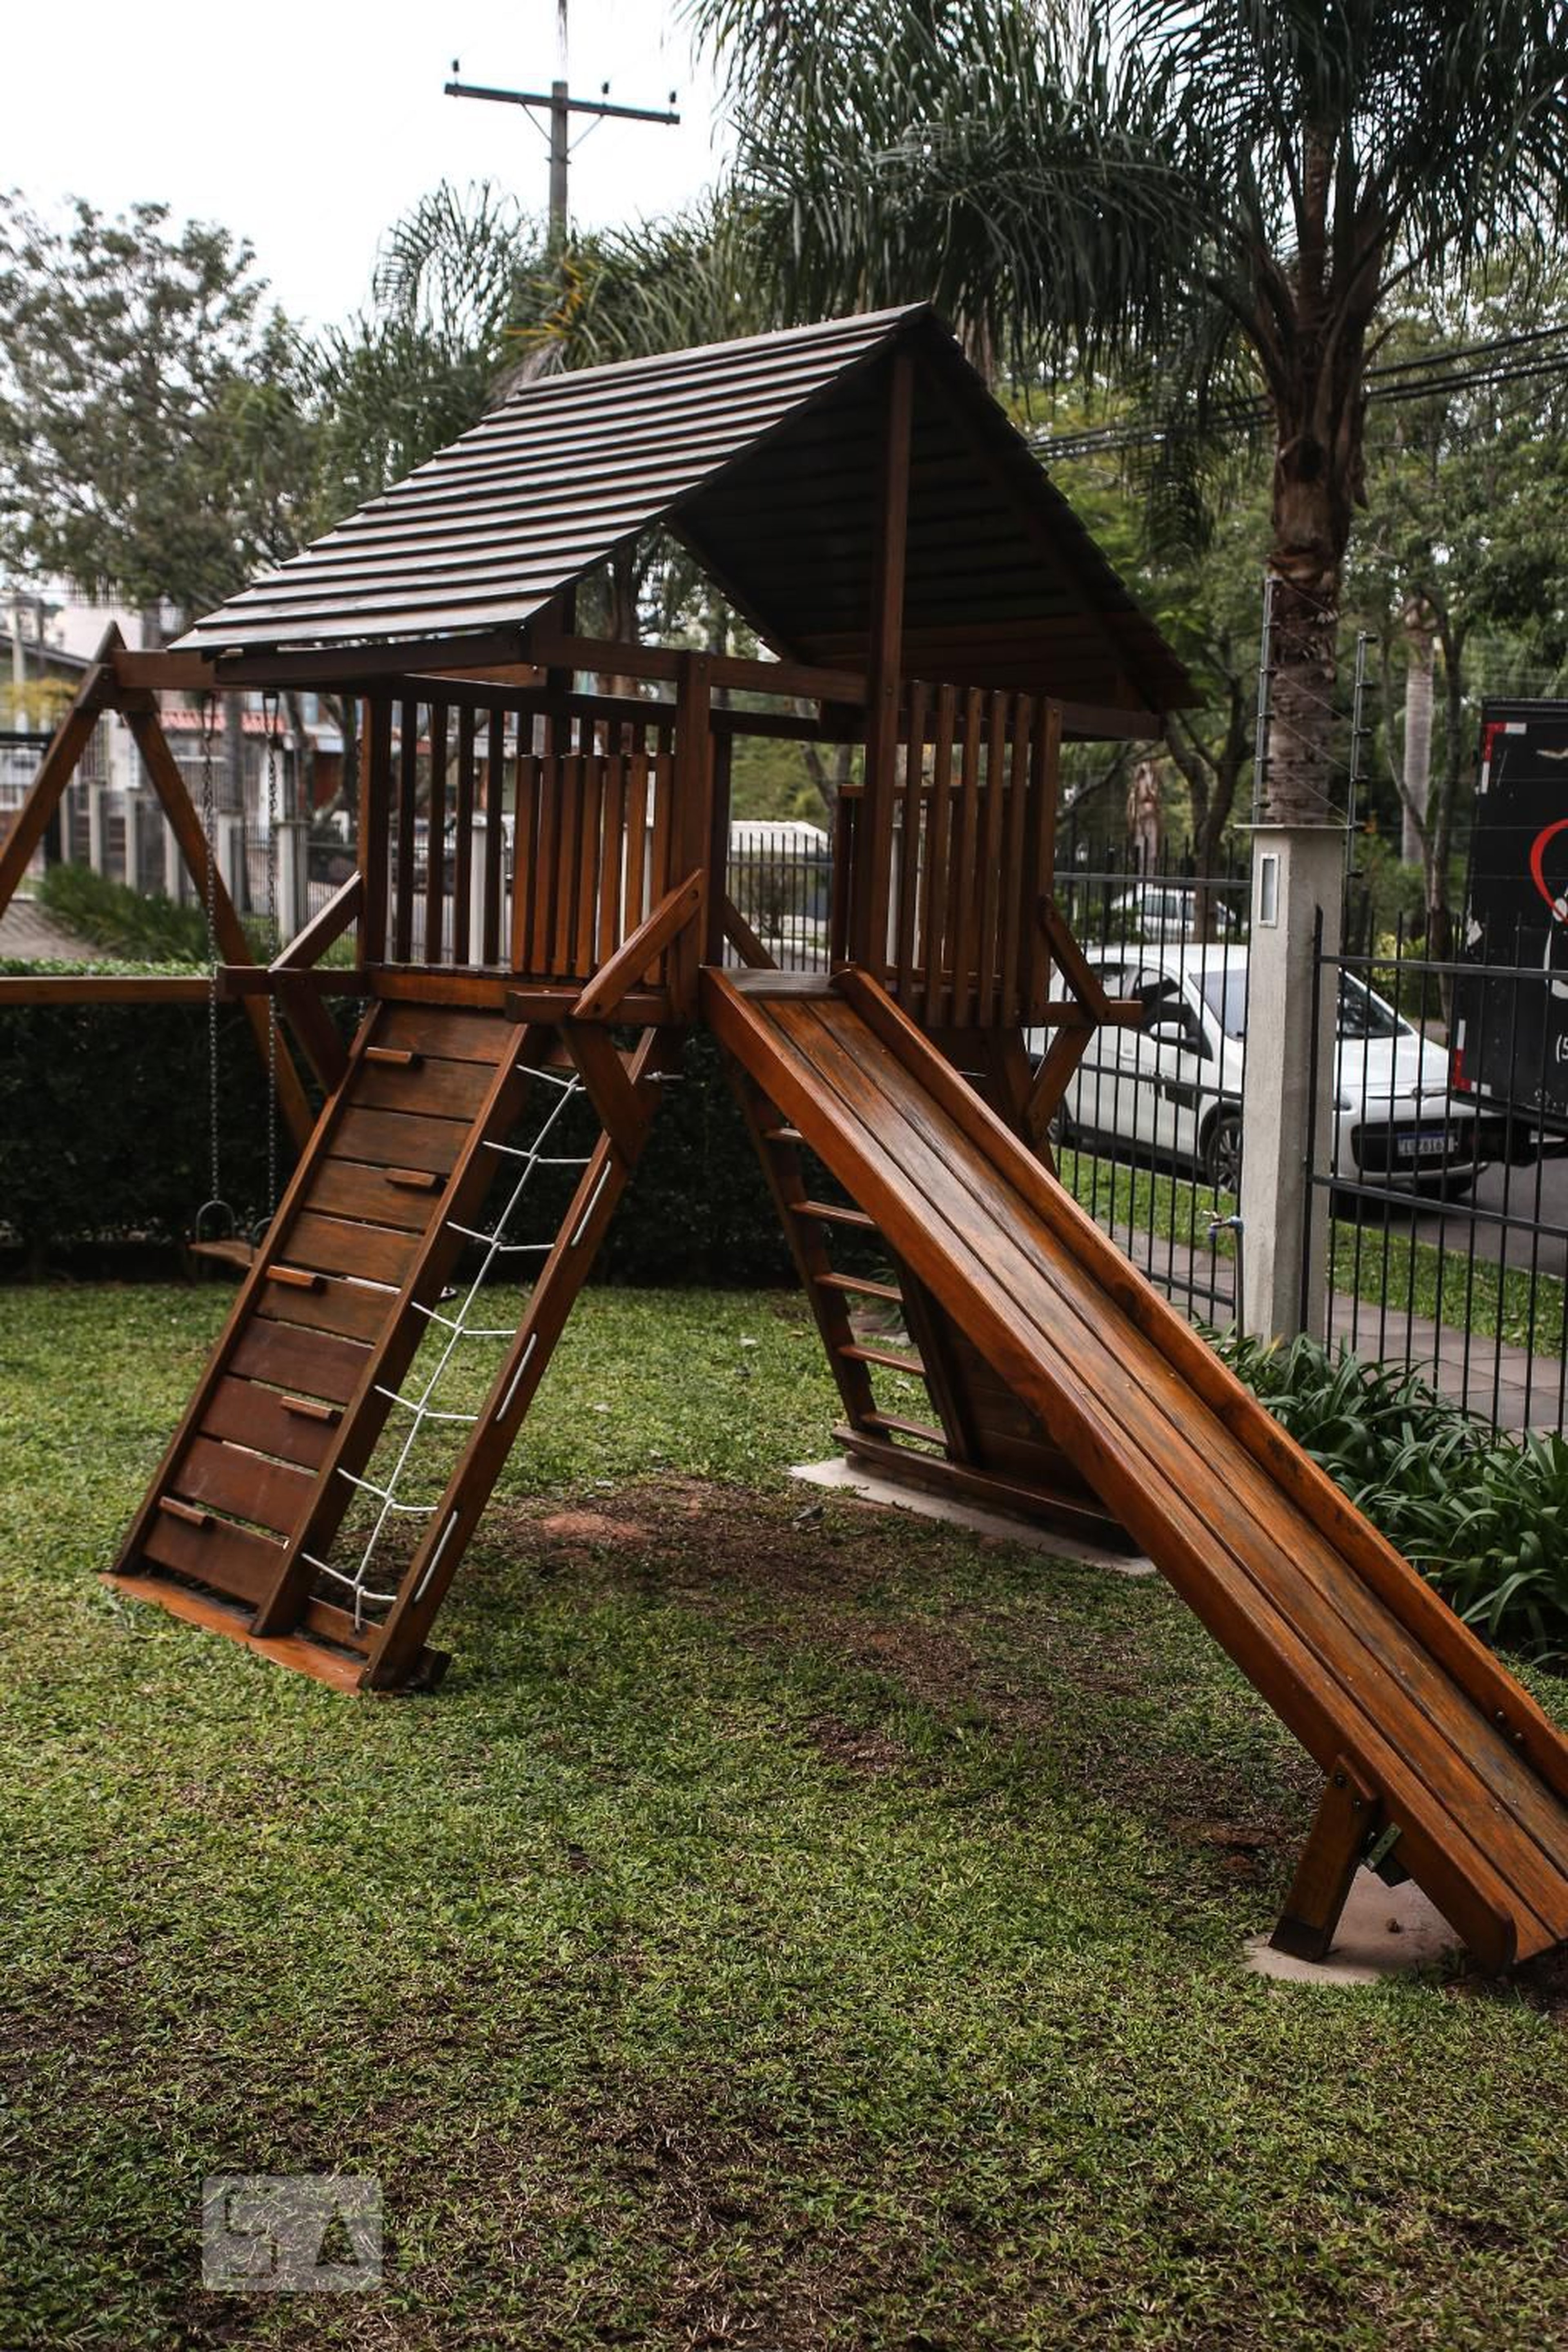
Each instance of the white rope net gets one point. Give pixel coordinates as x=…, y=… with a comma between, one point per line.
x=404, y=1480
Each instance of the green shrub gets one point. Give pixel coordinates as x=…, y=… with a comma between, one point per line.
x=1485, y=1517
x=149, y=928
x=103, y=1137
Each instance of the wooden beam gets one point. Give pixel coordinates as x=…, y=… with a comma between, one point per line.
x=96, y=694
x=744, y=941
x=603, y=997
x=163, y=671
x=102, y=988
x=232, y=944
x=868, y=914
x=799, y=681
x=692, y=808
x=351, y=666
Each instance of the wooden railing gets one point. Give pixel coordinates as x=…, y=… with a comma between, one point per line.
x=510, y=842
x=973, y=841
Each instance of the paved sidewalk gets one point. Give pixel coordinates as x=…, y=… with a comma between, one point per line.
x=28, y=935
x=1498, y=1379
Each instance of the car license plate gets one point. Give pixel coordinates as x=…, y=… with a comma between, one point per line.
x=1425, y=1145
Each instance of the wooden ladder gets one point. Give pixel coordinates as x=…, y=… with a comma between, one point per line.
x=978, y=1443
x=235, y=1530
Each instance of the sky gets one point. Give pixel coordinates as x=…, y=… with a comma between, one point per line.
x=308, y=126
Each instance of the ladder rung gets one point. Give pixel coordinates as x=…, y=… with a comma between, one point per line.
x=191, y=1516
x=413, y=1180
x=832, y=1213
x=312, y=1409
x=783, y=1135
x=861, y=1286
x=395, y=1057
x=888, y=1356
x=901, y=1428
x=296, y=1277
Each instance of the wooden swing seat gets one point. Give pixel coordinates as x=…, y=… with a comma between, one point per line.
x=231, y=1252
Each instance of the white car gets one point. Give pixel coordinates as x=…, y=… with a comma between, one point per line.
x=1165, y=913
x=1172, y=1085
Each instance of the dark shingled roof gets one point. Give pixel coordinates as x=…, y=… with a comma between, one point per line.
x=761, y=457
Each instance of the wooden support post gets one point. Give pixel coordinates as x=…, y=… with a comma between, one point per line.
x=1347, y=1818
x=374, y=825
x=692, y=816
x=722, y=754
x=874, y=863
x=232, y=944
x=98, y=693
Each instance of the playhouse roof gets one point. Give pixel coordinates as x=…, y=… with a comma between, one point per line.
x=761, y=457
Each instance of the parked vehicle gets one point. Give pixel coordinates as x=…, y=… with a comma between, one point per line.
x=1172, y=1085
x=1165, y=914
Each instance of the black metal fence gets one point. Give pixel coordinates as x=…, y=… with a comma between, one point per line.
x=1444, y=1201
x=1149, y=1135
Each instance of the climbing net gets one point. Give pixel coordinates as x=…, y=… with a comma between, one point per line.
x=451, y=1326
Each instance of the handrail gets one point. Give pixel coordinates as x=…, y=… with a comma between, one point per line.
x=615, y=979
x=743, y=939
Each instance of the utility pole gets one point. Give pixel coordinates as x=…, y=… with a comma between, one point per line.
x=559, y=106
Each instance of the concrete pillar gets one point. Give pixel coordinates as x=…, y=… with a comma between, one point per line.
x=95, y=839
x=173, y=867
x=476, y=888
x=231, y=859
x=132, y=805
x=293, y=867
x=1297, y=871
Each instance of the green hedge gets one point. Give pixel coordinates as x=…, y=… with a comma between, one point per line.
x=103, y=1137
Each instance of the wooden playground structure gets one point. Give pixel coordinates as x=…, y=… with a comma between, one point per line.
x=856, y=496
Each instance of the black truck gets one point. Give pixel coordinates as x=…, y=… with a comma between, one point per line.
x=1511, y=992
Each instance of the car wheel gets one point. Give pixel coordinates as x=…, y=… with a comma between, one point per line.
x=1222, y=1152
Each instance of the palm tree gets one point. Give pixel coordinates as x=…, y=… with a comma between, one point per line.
x=1222, y=194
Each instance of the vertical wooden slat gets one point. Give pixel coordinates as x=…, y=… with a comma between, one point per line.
x=408, y=792
x=1010, y=1006
x=844, y=814
x=436, y=836
x=541, y=926
x=637, y=829
x=966, y=895
x=525, y=819
x=612, y=866
x=495, y=837
x=937, y=849
x=374, y=818
x=569, y=807
x=721, y=752
x=988, y=948
x=661, y=781
x=463, y=852
x=1040, y=857
x=910, y=859
x=584, y=930
x=868, y=915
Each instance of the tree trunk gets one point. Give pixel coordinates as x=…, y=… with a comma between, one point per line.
x=1416, y=767
x=1297, y=783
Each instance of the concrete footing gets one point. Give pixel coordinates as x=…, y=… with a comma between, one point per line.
x=1385, y=1931
x=844, y=1478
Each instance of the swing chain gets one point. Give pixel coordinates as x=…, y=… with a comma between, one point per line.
x=209, y=830
x=270, y=706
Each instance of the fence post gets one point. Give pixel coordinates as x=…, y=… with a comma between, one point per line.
x=231, y=859
x=131, y=803
x=173, y=867
x=1287, y=1105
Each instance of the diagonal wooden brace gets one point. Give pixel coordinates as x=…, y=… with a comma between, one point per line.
x=1348, y=1818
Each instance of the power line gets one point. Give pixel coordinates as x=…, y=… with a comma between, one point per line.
x=1425, y=382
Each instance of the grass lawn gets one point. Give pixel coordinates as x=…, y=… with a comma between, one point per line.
x=787, y=1928
x=1375, y=1260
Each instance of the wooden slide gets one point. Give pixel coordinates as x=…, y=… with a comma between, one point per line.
x=1438, y=1761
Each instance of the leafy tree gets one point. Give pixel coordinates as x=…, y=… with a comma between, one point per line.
x=152, y=433
x=1460, y=558
x=1225, y=191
